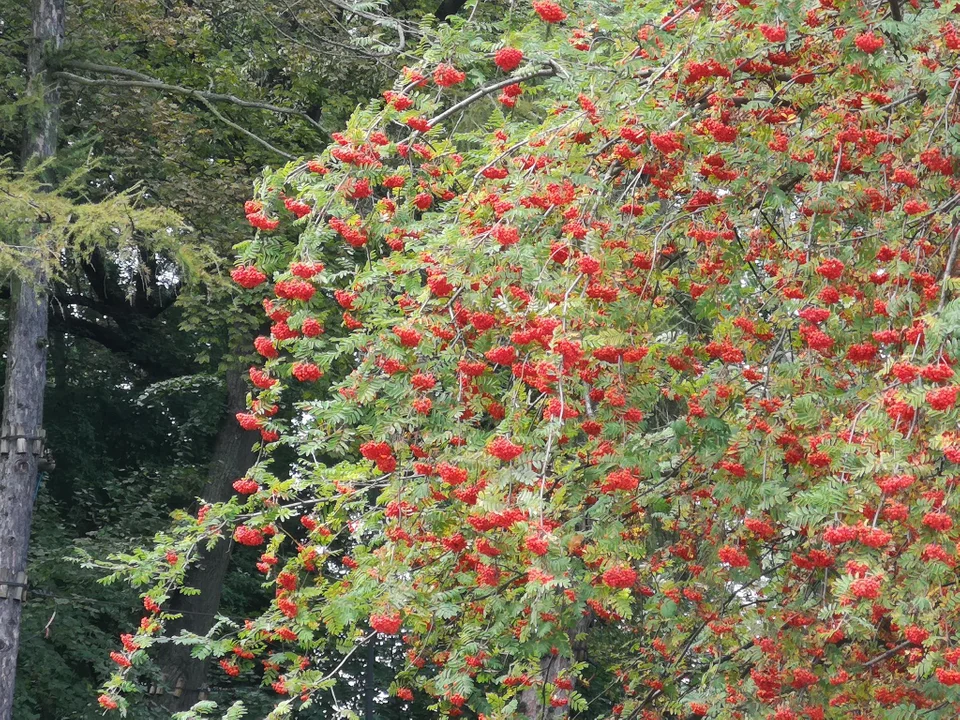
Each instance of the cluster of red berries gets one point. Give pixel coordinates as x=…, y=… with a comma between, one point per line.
x=502, y=355
x=248, y=421
x=297, y=289
x=620, y=576
x=353, y=236
x=504, y=449
x=397, y=100
x=774, y=33
x=537, y=545
x=508, y=59
x=306, y=270
x=230, y=668
x=420, y=124
x=254, y=213
x=265, y=347
x=386, y=623
x=943, y=398
x=246, y=486
x=620, y=480
x=381, y=454
x=261, y=379
x=249, y=536
x=549, y=11
x=506, y=235
x=734, y=557
x=248, y=276
x=298, y=208
x=408, y=336
x=868, y=42
x=867, y=588
x=306, y=372
x=509, y=95
x=446, y=75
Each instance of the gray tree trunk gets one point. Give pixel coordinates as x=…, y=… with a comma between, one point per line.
x=26, y=370
x=185, y=676
x=535, y=700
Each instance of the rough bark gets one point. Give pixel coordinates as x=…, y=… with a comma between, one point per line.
x=26, y=371
x=185, y=677
x=535, y=700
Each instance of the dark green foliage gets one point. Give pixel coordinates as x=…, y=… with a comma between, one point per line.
x=138, y=341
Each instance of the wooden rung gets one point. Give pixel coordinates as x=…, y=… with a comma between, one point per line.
x=13, y=589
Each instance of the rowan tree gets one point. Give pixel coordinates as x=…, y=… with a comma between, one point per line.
x=651, y=317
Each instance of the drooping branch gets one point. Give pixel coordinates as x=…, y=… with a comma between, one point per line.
x=205, y=98
x=196, y=94
x=242, y=130
x=146, y=81
x=135, y=347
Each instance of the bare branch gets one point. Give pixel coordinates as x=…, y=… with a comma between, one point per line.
x=242, y=130
x=145, y=81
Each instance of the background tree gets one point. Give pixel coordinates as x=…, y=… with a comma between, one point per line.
x=184, y=101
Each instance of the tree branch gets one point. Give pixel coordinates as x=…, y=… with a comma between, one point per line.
x=137, y=353
x=392, y=22
x=548, y=71
x=253, y=136
x=196, y=94
x=154, y=83
x=145, y=81
x=889, y=653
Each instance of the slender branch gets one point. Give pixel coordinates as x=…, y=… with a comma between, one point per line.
x=196, y=94
x=253, y=136
x=548, y=71
x=145, y=81
x=892, y=651
x=948, y=269
x=920, y=95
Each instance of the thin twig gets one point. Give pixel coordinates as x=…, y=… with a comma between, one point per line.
x=948, y=270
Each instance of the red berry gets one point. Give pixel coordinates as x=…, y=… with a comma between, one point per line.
x=248, y=276
x=306, y=372
x=508, y=58
x=549, y=11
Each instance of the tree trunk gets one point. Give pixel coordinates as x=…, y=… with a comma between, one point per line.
x=369, y=683
x=185, y=676
x=535, y=701
x=26, y=371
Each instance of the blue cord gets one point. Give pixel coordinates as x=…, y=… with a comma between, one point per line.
x=36, y=490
